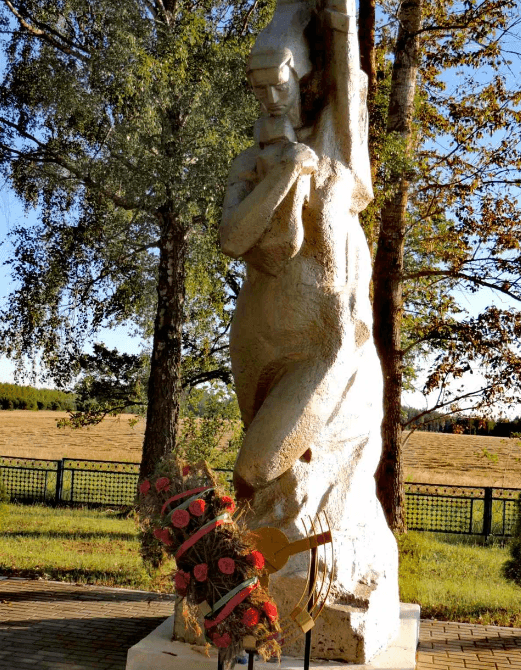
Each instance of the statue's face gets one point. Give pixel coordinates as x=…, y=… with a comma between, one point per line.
x=276, y=89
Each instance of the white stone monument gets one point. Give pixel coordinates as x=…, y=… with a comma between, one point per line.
x=307, y=375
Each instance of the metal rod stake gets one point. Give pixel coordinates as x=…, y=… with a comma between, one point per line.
x=251, y=656
x=307, y=649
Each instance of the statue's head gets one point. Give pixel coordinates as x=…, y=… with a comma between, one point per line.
x=280, y=59
x=275, y=83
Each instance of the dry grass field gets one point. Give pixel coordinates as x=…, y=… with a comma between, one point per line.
x=35, y=435
x=473, y=460
x=436, y=458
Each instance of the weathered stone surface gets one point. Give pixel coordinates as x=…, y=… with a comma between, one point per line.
x=307, y=376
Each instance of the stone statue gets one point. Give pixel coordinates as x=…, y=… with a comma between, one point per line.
x=307, y=375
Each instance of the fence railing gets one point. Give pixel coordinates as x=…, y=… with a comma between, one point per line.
x=468, y=510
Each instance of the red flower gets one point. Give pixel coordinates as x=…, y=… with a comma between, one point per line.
x=228, y=503
x=201, y=572
x=251, y=617
x=226, y=566
x=162, y=484
x=181, y=579
x=197, y=507
x=144, y=487
x=256, y=559
x=186, y=470
x=222, y=641
x=180, y=518
x=163, y=535
x=270, y=609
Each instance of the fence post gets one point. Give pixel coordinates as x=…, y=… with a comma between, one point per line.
x=487, y=513
x=59, y=483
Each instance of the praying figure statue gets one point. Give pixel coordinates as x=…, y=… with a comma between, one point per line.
x=307, y=376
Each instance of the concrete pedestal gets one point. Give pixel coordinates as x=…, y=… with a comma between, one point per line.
x=158, y=652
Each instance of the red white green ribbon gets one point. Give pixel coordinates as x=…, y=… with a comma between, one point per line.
x=207, y=528
x=233, y=599
x=182, y=495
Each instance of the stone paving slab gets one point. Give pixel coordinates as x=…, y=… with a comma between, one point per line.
x=450, y=646
x=57, y=626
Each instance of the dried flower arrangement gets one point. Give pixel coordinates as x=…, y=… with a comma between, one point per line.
x=219, y=569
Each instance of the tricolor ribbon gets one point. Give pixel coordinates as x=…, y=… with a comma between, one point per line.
x=232, y=599
x=207, y=528
x=183, y=494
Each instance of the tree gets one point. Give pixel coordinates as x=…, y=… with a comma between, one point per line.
x=119, y=121
x=388, y=264
x=447, y=179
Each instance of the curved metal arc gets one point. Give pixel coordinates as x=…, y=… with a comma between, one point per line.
x=330, y=572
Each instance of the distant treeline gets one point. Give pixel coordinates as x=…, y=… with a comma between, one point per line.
x=462, y=425
x=13, y=396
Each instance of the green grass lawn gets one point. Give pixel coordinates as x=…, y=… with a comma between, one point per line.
x=76, y=545
x=454, y=578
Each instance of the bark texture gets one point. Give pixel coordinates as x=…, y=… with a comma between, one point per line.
x=366, y=38
x=388, y=268
x=165, y=370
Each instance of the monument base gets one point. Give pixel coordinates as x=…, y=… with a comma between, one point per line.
x=157, y=651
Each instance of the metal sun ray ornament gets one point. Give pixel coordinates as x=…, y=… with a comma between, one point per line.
x=223, y=567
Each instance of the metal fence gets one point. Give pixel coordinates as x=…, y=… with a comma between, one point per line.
x=467, y=510
x=69, y=481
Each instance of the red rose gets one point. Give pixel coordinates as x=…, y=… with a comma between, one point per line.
x=201, y=572
x=251, y=617
x=163, y=535
x=181, y=580
x=270, y=609
x=226, y=566
x=180, y=518
x=222, y=641
x=256, y=559
x=228, y=503
x=197, y=507
x=186, y=470
x=144, y=487
x=162, y=484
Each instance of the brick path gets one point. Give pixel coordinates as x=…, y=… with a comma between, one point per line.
x=56, y=626
x=451, y=646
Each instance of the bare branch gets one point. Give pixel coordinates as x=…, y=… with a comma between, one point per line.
x=66, y=45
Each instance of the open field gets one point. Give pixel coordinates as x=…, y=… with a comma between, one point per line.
x=35, y=435
x=436, y=458
x=472, y=460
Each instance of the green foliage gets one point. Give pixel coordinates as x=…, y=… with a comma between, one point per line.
x=110, y=383
x=462, y=225
x=13, y=396
x=114, y=118
x=512, y=568
x=211, y=428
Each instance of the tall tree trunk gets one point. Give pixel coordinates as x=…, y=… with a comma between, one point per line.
x=165, y=369
x=388, y=268
x=366, y=38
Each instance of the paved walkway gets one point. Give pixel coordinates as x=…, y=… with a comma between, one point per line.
x=56, y=626
x=451, y=646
